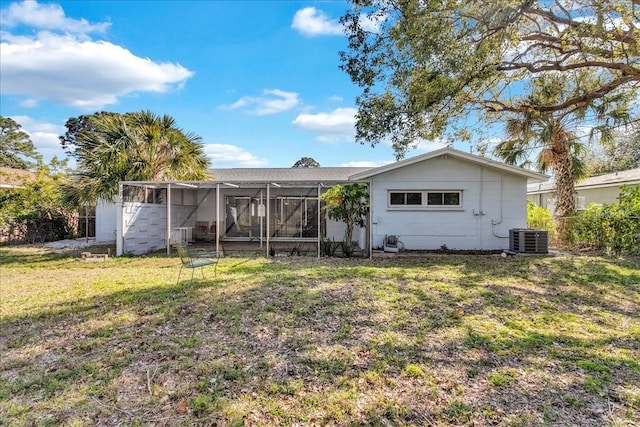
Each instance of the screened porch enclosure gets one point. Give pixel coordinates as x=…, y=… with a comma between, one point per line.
x=289, y=217
x=156, y=215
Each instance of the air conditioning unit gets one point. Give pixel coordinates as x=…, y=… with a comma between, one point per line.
x=529, y=241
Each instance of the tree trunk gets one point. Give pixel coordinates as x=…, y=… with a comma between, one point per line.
x=348, y=233
x=565, y=181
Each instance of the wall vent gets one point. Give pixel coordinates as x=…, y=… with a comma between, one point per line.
x=529, y=241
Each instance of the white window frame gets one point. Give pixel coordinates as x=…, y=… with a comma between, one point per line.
x=424, y=205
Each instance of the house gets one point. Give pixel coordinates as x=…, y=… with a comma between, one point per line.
x=596, y=189
x=445, y=198
x=15, y=178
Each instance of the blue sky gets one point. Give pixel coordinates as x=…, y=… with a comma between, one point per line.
x=257, y=80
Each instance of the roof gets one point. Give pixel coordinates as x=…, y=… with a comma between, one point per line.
x=447, y=151
x=277, y=175
x=615, y=179
x=12, y=178
x=333, y=175
x=262, y=176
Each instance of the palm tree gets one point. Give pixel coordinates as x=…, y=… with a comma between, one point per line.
x=137, y=146
x=551, y=137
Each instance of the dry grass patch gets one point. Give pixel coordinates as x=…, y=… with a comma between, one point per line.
x=433, y=340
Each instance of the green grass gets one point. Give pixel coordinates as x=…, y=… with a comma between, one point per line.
x=425, y=340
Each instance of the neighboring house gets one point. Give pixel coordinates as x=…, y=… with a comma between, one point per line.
x=596, y=189
x=446, y=198
x=15, y=178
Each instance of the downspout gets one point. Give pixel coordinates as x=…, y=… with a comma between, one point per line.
x=261, y=219
x=319, y=218
x=120, y=222
x=268, y=218
x=218, y=218
x=498, y=222
x=481, y=213
x=168, y=219
x=370, y=233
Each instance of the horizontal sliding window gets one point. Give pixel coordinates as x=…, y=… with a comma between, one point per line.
x=425, y=198
x=449, y=198
x=405, y=198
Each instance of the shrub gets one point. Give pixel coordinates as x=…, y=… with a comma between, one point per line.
x=614, y=228
x=38, y=210
x=539, y=217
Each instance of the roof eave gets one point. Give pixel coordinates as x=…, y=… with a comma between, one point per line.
x=586, y=187
x=532, y=177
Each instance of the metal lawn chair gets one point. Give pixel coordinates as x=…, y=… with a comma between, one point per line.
x=196, y=259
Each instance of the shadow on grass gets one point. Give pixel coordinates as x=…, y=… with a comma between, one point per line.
x=355, y=341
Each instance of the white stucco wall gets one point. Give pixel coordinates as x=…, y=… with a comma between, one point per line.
x=106, y=220
x=336, y=230
x=493, y=202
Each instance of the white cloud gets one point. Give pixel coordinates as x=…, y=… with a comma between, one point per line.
x=371, y=23
x=240, y=103
x=60, y=63
x=226, y=155
x=313, y=22
x=335, y=126
x=47, y=17
x=43, y=135
x=274, y=101
x=367, y=164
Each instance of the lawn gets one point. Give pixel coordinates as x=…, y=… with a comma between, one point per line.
x=432, y=340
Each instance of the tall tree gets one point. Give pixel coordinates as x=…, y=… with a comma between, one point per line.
x=16, y=147
x=431, y=67
x=76, y=126
x=430, y=64
x=550, y=136
x=306, y=162
x=135, y=147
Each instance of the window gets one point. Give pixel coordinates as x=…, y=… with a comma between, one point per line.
x=405, y=198
x=425, y=199
x=442, y=198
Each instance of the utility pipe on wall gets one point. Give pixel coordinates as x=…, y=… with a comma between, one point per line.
x=168, y=219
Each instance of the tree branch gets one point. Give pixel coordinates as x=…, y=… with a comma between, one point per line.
x=626, y=37
x=626, y=69
x=578, y=101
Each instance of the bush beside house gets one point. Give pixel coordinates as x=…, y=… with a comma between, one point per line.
x=613, y=228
